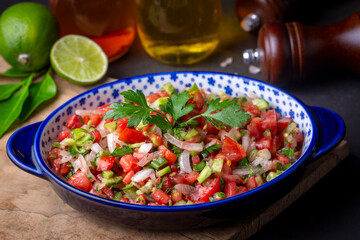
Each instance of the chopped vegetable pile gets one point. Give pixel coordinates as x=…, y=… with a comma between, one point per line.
x=172, y=149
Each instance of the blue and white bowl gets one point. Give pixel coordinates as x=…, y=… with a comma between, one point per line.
x=322, y=128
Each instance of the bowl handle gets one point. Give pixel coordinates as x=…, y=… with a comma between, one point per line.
x=332, y=130
x=20, y=149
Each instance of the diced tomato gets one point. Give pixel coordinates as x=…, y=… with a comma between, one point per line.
x=105, y=163
x=192, y=177
x=128, y=163
x=231, y=189
x=263, y=143
x=232, y=150
x=268, y=121
x=140, y=199
x=251, y=183
x=127, y=179
x=254, y=130
x=74, y=121
x=167, y=154
x=80, y=180
x=176, y=195
x=166, y=183
x=174, y=168
x=131, y=136
x=55, y=164
x=194, y=139
x=95, y=119
x=64, y=134
x=195, y=159
x=283, y=159
x=107, y=191
x=156, y=139
x=64, y=169
x=282, y=123
x=275, y=145
x=208, y=188
x=103, y=109
x=138, y=155
x=121, y=124
x=178, y=178
x=97, y=136
x=231, y=178
x=160, y=197
x=253, y=110
x=198, y=100
x=152, y=97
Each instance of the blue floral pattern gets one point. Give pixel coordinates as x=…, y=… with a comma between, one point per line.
x=234, y=85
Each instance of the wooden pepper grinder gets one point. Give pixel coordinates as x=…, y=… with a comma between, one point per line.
x=294, y=51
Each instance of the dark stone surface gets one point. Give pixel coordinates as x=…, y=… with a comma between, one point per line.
x=331, y=209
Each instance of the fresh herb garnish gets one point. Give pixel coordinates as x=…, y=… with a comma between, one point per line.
x=207, y=151
x=122, y=151
x=219, y=113
x=287, y=152
x=245, y=162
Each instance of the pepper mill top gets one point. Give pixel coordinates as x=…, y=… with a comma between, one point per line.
x=294, y=51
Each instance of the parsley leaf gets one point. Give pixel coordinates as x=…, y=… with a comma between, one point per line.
x=159, y=121
x=287, y=151
x=138, y=97
x=232, y=116
x=179, y=101
x=122, y=151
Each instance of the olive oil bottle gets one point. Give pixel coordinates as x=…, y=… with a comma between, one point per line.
x=179, y=32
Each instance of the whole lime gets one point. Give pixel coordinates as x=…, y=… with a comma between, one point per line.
x=27, y=32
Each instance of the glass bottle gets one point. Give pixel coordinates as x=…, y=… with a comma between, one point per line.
x=110, y=23
x=179, y=32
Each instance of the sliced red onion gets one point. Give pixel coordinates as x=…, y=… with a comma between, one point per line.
x=184, y=162
x=151, y=156
x=212, y=142
x=90, y=157
x=158, y=131
x=245, y=141
x=252, y=145
x=65, y=156
x=111, y=142
x=142, y=175
x=145, y=148
x=230, y=134
x=243, y=171
x=96, y=148
x=83, y=113
x=184, y=188
x=98, y=185
x=197, y=147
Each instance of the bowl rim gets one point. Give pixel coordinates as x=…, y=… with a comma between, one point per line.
x=193, y=207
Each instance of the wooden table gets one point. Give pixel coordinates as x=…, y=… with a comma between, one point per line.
x=30, y=209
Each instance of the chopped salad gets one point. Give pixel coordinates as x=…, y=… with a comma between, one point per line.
x=172, y=148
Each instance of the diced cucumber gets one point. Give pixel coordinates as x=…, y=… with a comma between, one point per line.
x=107, y=174
x=147, y=187
x=217, y=165
x=78, y=133
x=131, y=193
x=191, y=134
x=169, y=88
x=111, y=126
x=69, y=141
x=204, y=174
x=271, y=176
x=161, y=101
x=194, y=88
x=180, y=203
x=117, y=196
x=112, y=181
x=261, y=103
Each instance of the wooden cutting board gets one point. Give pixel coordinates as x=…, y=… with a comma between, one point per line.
x=30, y=209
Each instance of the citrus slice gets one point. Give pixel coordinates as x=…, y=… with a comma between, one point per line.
x=79, y=60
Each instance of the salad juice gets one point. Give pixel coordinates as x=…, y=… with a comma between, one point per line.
x=110, y=23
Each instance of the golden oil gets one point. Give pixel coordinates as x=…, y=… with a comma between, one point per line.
x=179, y=32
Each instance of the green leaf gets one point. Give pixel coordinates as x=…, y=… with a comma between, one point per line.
x=12, y=72
x=141, y=115
x=232, y=116
x=39, y=93
x=178, y=102
x=138, y=97
x=6, y=90
x=11, y=108
x=122, y=151
x=159, y=121
x=216, y=105
x=287, y=152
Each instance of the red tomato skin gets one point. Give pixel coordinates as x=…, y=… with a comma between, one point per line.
x=128, y=176
x=105, y=163
x=192, y=177
x=64, y=134
x=166, y=183
x=232, y=150
x=253, y=110
x=74, y=121
x=251, y=183
x=198, y=100
x=283, y=123
x=103, y=109
x=80, y=181
x=178, y=178
x=95, y=119
x=131, y=136
x=208, y=189
x=168, y=154
x=269, y=121
x=140, y=199
x=97, y=136
x=231, y=189
x=231, y=178
x=64, y=169
x=128, y=163
x=254, y=130
x=160, y=197
x=121, y=125
x=107, y=191
x=263, y=143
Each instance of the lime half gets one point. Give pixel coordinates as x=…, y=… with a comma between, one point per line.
x=78, y=59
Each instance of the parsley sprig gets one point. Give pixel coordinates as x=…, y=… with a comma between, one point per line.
x=219, y=113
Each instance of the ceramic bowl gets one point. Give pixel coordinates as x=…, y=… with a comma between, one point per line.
x=322, y=128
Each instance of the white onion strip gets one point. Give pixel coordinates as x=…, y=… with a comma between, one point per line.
x=196, y=147
x=145, y=148
x=184, y=188
x=148, y=158
x=142, y=175
x=184, y=162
